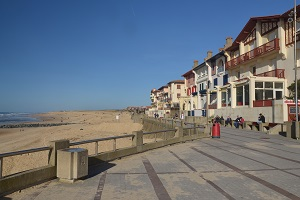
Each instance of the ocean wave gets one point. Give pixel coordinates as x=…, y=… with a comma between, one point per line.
x=13, y=117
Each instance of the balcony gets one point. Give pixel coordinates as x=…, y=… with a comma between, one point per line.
x=213, y=106
x=255, y=53
x=279, y=73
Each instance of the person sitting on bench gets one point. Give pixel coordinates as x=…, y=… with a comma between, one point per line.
x=261, y=119
x=228, y=121
x=237, y=122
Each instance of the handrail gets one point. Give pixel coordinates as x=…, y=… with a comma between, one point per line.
x=100, y=139
x=166, y=130
x=16, y=153
x=254, y=53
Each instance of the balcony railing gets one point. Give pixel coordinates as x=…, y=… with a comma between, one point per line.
x=213, y=106
x=263, y=49
x=279, y=73
x=262, y=103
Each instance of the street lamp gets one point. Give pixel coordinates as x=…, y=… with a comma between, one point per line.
x=294, y=14
x=295, y=61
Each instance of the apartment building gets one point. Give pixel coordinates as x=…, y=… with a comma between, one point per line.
x=176, y=89
x=188, y=100
x=260, y=65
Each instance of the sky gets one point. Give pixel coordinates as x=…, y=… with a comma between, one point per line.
x=108, y=54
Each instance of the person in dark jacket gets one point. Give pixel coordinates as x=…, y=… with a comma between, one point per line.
x=228, y=121
x=237, y=122
x=261, y=119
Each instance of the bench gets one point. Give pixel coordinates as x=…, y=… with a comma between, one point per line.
x=263, y=127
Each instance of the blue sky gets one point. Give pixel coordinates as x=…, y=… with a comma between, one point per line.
x=108, y=54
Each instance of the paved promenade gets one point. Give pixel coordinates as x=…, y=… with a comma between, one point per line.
x=240, y=165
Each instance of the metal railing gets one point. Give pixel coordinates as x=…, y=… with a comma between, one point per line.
x=96, y=141
x=162, y=131
x=279, y=73
x=261, y=50
x=16, y=153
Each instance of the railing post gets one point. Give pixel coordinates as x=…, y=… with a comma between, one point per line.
x=56, y=145
x=155, y=137
x=115, y=144
x=96, y=148
x=138, y=140
x=179, y=132
x=1, y=167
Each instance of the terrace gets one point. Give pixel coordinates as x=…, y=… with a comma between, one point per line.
x=255, y=53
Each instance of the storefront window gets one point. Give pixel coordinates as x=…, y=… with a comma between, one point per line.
x=268, y=90
x=259, y=94
x=268, y=94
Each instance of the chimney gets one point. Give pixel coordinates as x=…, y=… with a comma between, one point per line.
x=228, y=42
x=195, y=63
x=209, y=55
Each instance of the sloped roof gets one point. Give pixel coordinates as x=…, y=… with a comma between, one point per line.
x=250, y=25
x=176, y=81
x=187, y=73
x=162, y=87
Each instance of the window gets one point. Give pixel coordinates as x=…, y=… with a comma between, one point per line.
x=242, y=95
x=258, y=84
x=178, y=86
x=268, y=84
x=178, y=95
x=259, y=94
x=239, y=95
x=225, y=79
x=215, y=81
x=267, y=27
x=268, y=90
x=279, y=85
x=254, y=70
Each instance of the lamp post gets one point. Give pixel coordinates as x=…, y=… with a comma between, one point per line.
x=294, y=15
x=295, y=63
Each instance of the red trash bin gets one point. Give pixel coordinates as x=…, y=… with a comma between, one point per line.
x=215, y=131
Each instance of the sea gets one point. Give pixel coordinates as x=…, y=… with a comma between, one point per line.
x=16, y=118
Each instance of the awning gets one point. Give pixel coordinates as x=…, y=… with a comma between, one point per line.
x=241, y=82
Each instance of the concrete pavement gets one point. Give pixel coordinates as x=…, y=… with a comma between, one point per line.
x=242, y=164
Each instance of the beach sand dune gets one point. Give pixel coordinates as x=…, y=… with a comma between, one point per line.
x=84, y=125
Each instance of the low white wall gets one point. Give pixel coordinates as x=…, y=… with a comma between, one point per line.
x=273, y=114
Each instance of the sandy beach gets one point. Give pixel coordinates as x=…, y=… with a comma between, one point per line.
x=84, y=125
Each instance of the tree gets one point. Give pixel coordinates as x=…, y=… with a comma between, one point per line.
x=291, y=89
